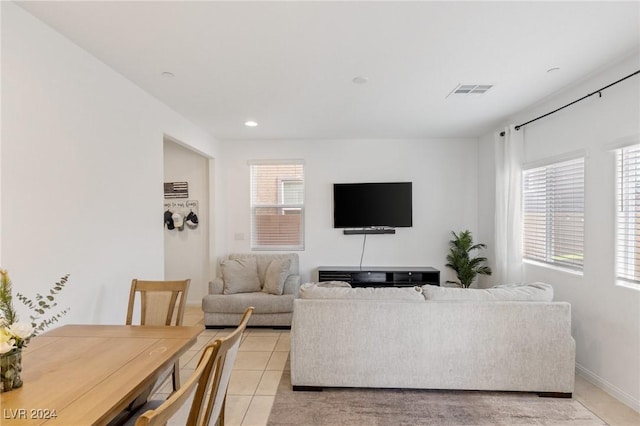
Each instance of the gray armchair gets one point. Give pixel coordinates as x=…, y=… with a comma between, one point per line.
x=268, y=282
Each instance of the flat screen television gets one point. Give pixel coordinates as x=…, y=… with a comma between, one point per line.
x=372, y=205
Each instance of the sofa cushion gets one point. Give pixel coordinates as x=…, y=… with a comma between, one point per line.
x=277, y=272
x=333, y=284
x=240, y=276
x=313, y=291
x=263, y=303
x=535, y=292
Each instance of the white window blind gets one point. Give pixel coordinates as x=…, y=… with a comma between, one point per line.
x=277, y=205
x=628, y=213
x=553, y=204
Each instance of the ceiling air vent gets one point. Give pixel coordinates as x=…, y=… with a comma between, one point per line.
x=470, y=89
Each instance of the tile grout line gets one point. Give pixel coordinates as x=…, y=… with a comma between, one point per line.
x=254, y=394
x=262, y=375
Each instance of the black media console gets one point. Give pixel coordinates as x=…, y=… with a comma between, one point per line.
x=380, y=276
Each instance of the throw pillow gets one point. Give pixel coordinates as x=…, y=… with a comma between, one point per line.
x=277, y=272
x=240, y=276
x=536, y=292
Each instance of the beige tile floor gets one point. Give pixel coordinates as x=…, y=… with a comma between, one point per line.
x=262, y=359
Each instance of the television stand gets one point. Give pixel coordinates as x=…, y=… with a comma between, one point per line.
x=380, y=276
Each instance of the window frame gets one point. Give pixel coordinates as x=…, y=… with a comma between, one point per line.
x=551, y=167
x=623, y=211
x=283, y=208
x=281, y=193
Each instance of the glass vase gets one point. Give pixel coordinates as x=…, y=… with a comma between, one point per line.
x=11, y=370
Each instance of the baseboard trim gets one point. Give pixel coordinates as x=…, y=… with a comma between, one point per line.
x=609, y=388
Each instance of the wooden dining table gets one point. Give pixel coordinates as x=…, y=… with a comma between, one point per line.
x=89, y=374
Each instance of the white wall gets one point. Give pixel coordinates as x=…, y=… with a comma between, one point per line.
x=186, y=252
x=444, y=176
x=82, y=171
x=606, y=317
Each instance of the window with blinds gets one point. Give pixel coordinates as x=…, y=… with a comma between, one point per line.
x=277, y=205
x=628, y=214
x=553, y=207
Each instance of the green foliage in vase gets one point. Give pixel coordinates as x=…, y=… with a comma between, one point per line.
x=14, y=336
x=43, y=303
x=459, y=259
x=9, y=315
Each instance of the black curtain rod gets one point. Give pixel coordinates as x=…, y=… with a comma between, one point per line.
x=577, y=100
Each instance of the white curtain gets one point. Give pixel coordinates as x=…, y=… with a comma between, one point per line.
x=508, y=218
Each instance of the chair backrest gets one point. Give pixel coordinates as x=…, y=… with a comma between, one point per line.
x=168, y=408
x=208, y=401
x=158, y=300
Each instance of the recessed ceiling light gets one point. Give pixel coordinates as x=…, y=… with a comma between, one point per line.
x=552, y=69
x=360, y=80
x=250, y=123
x=167, y=74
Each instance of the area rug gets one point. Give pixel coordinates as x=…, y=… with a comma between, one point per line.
x=360, y=407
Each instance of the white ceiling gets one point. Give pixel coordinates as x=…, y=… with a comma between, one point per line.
x=289, y=65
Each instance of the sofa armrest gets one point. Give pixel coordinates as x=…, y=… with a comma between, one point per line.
x=292, y=285
x=216, y=286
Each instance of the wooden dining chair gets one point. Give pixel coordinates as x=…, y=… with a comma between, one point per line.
x=209, y=399
x=158, y=303
x=164, y=411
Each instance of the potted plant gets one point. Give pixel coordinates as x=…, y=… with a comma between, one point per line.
x=14, y=335
x=459, y=259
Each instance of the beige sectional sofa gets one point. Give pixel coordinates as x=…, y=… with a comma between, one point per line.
x=268, y=282
x=510, y=338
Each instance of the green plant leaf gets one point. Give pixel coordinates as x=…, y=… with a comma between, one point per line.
x=459, y=258
x=41, y=304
